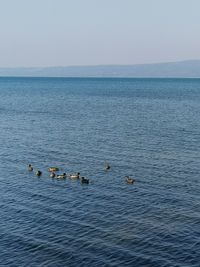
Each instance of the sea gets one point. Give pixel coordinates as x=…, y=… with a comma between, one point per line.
x=148, y=129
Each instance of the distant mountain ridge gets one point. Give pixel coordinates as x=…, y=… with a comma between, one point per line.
x=181, y=69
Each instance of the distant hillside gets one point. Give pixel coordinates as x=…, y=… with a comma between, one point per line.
x=190, y=68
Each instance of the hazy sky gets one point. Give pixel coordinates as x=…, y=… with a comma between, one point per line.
x=92, y=32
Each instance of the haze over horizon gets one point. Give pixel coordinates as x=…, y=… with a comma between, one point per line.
x=103, y=65
x=83, y=33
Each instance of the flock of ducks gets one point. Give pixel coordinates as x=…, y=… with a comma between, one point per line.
x=77, y=175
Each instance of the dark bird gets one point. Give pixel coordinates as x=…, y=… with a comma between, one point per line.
x=84, y=180
x=38, y=173
x=107, y=166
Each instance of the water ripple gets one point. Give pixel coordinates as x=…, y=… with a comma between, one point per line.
x=143, y=128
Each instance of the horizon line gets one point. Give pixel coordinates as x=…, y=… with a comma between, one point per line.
x=99, y=65
x=99, y=77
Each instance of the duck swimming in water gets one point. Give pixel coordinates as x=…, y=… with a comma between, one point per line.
x=38, y=173
x=75, y=175
x=107, y=166
x=52, y=175
x=84, y=180
x=129, y=180
x=61, y=176
x=30, y=168
x=53, y=169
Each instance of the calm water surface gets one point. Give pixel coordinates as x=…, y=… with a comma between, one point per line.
x=146, y=128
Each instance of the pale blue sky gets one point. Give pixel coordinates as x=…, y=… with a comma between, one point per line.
x=93, y=32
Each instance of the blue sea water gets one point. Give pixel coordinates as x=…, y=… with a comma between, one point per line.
x=146, y=128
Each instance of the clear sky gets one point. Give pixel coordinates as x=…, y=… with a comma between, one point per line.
x=93, y=32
